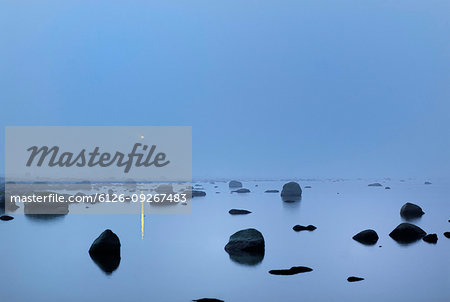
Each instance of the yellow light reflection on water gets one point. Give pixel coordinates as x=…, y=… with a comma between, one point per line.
x=142, y=220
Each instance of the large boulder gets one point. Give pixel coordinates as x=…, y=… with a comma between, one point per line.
x=367, y=237
x=411, y=211
x=407, y=233
x=105, y=251
x=235, y=184
x=291, y=189
x=246, y=247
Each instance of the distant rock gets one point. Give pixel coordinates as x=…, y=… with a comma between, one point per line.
x=197, y=193
x=6, y=218
x=105, y=251
x=208, y=300
x=291, y=189
x=235, y=184
x=164, y=189
x=367, y=237
x=447, y=234
x=427, y=183
x=271, y=191
x=375, y=185
x=407, y=233
x=299, y=228
x=411, y=211
x=430, y=238
x=292, y=271
x=308, y=187
x=246, y=247
x=238, y=212
x=387, y=188
x=241, y=191
x=354, y=279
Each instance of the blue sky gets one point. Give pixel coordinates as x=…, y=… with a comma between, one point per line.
x=271, y=88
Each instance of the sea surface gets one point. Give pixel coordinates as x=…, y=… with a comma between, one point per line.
x=182, y=257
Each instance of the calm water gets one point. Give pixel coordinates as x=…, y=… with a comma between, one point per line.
x=182, y=257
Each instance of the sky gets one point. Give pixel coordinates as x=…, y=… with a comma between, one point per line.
x=272, y=89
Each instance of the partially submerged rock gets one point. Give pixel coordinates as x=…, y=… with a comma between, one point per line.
x=354, y=279
x=387, y=188
x=292, y=271
x=6, y=218
x=447, y=234
x=407, y=233
x=105, y=251
x=430, y=238
x=271, y=191
x=299, y=228
x=235, y=184
x=208, y=300
x=197, y=193
x=291, y=189
x=367, y=237
x=308, y=187
x=376, y=184
x=427, y=183
x=238, y=212
x=246, y=247
x=241, y=191
x=411, y=211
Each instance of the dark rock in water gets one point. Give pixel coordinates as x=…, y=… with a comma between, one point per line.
x=299, y=228
x=241, y=191
x=249, y=240
x=105, y=251
x=354, y=279
x=292, y=271
x=6, y=218
x=387, y=188
x=196, y=193
x=411, y=211
x=367, y=237
x=375, y=185
x=407, y=233
x=208, y=300
x=291, y=189
x=427, y=183
x=271, y=191
x=308, y=187
x=246, y=247
x=430, y=238
x=235, y=184
x=447, y=234
x=238, y=212
x=106, y=243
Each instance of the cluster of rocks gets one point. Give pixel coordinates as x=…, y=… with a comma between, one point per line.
x=405, y=232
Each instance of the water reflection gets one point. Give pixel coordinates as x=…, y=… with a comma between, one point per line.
x=291, y=201
x=45, y=217
x=107, y=263
x=246, y=258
